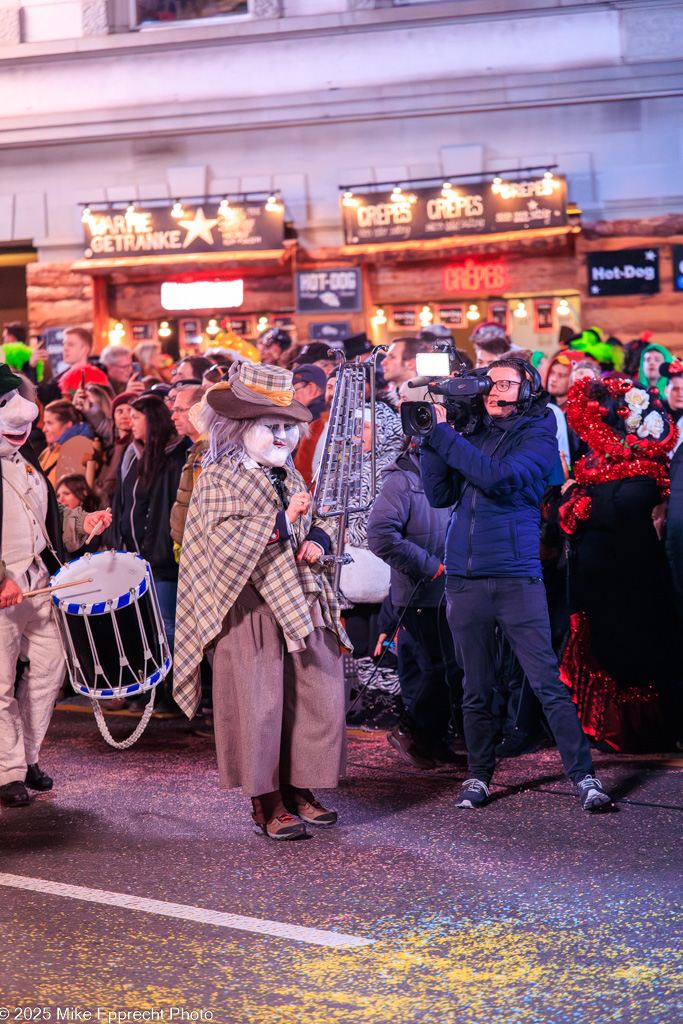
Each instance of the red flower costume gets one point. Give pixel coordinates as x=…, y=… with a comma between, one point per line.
x=612, y=456
x=616, y=663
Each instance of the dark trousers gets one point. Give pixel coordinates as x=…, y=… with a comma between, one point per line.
x=520, y=608
x=409, y=673
x=516, y=710
x=436, y=699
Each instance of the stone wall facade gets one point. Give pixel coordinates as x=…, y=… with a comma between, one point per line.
x=58, y=297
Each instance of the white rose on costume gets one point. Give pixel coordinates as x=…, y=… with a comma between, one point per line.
x=653, y=424
x=633, y=421
x=637, y=399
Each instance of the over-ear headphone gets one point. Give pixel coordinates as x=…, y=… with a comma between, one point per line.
x=531, y=384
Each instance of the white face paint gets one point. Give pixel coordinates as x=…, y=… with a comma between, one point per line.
x=270, y=441
x=16, y=416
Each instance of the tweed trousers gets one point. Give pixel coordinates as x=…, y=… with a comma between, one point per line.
x=278, y=716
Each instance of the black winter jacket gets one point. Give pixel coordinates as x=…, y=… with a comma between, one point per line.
x=408, y=534
x=142, y=523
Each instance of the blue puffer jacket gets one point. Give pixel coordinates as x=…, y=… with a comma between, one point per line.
x=497, y=478
x=407, y=533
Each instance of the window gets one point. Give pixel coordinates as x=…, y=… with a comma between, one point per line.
x=149, y=11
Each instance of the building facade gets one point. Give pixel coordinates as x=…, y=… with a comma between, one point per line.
x=121, y=105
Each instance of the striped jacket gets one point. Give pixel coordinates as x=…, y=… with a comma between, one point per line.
x=229, y=541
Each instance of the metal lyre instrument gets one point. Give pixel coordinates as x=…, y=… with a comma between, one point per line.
x=338, y=487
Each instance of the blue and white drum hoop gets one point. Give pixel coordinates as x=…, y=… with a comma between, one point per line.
x=113, y=633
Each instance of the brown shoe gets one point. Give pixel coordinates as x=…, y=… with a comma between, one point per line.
x=302, y=803
x=14, y=794
x=285, y=826
x=406, y=748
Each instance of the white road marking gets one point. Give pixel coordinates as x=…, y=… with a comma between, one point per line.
x=316, y=936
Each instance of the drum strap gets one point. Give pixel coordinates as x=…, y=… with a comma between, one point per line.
x=34, y=513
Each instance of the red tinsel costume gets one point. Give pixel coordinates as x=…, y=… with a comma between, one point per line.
x=617, y=663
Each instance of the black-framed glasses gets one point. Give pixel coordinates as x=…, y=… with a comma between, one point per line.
x=504, y=385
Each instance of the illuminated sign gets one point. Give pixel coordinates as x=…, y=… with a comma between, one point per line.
x=471, y=276
x=623, y=272
x=202, y=294
x=454, y=316
x=329, y=290
x=544, y=315
x=404, y=317
x=498, y=312
x=449, y=211
x=183, y=229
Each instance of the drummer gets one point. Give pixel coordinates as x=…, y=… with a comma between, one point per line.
x=35, y=531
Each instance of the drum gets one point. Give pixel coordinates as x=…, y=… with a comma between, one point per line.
x=114, y=638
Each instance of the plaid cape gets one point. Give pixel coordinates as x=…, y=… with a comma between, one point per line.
x=230, y=520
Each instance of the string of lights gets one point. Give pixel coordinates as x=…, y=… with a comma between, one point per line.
x=272, y=200
x=499, y=181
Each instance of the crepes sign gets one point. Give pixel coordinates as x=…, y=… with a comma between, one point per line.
x=183, y=229
x=477, y=208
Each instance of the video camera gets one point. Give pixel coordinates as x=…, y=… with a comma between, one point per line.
x=442, y=372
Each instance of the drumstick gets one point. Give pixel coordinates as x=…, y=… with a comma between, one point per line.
x=95, y=528
x=48, y=590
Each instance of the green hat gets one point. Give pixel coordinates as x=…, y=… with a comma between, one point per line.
x=8, y=380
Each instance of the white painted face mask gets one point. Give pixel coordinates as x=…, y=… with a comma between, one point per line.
x=16, y=416
x=270, y=441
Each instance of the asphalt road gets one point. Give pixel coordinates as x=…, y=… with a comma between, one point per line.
x=529, y=910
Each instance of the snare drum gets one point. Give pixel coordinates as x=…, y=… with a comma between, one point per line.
x=114, y=638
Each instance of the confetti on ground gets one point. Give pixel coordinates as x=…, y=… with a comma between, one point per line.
x=527, y=912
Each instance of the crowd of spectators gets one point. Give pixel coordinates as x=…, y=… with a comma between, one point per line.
x=118, y=429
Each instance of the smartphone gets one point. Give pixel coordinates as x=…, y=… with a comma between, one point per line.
x=433, y=364
x=82, y=380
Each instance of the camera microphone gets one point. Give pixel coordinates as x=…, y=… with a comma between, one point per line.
x=420, y=382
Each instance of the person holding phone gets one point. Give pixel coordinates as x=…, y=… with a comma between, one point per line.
x=123, y=372
x=94, y=402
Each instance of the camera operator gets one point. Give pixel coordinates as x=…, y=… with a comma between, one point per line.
x=496, y=478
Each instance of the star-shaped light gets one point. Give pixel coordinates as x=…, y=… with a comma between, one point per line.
x=199, y=227
x=532, y=204
x=595, y=290
x=650, y=254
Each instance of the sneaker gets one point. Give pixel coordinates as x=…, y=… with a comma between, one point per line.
x=380, y=712
x=304, y=805
x=591, y=793
x=474, y=793
x=284, y=826
x=404, y=745
x=384, y=716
